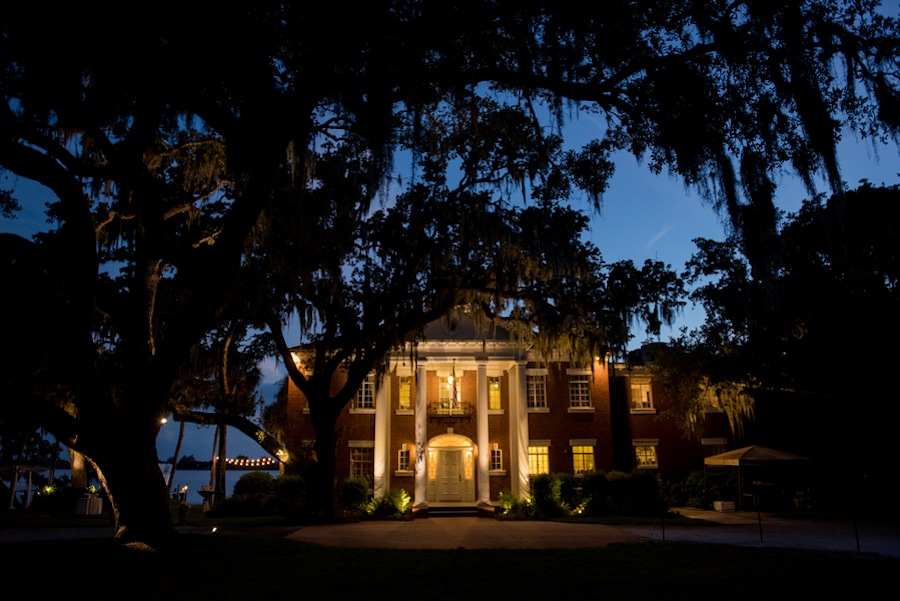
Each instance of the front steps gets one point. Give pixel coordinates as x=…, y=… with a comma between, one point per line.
x=453, y=510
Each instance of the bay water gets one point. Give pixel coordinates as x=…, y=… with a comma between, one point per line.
x=188, y=481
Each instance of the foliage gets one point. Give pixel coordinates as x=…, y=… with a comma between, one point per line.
x=553, y=496
x=394, y=504
x=692, y=491
x=260, y=494
x=618, y=493
x=165, y=183
x=355, y=493
x=546, y=497
x=513, y=507
x=595, y=490
x=768, y=351
x=255, y=483
x=59, y=496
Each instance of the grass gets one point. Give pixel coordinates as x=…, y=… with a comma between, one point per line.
x=244, y=564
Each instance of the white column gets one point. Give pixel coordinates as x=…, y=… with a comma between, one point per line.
x=518, y=430
x=483, y=434
x=420, y=500
x=382, y=436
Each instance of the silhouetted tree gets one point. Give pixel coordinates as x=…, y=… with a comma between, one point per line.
x=802, y=366
x=161, y=153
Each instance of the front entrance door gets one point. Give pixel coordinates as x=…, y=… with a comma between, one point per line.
x=450, y=469
x=450, y=476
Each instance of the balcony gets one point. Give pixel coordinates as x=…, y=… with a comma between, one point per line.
x=443, y=410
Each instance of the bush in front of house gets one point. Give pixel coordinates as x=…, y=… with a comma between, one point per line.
x=355, y=494
x=618, y=497
x=546, y=494
x=513, y=507
x=645, y=493
x=391, y=506
x=595, y=493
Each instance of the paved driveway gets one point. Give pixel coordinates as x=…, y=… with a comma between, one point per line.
x=747, y=529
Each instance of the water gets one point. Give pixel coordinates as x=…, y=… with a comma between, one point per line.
x=194, y=479
x=191, y=479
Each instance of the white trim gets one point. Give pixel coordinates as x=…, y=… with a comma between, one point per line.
x=582, y=442
x=361, y=444
x=578, y=371
x=645, y=442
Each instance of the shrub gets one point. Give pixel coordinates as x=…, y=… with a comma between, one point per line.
x=291, y=494
x=355, y=493
x=394, y=504
x=254, y=483
x=644, y=493
x=59, y=496
x=595, y=493
x=290, y=487
x=690, y=492
x=568, y=490
x=547, y=497
x=619, y=501
x=513, y=507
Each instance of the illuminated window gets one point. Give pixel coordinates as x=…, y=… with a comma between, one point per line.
x=362, y=463
x=645, y=455
x=365, y=398
x=579, y=390
x=538, y=460
x=582, y=459
x=449, y=393
x=496, y=460
x=536, y=391
x=404, y=457
x=405, y=394
x=494, y=393
x=641, y=397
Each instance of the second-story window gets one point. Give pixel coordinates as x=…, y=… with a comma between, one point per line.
x=536, y=391
x=405, y=401
x=579, y=390
x=365, y=398
x=494, y=393
x=641, y=394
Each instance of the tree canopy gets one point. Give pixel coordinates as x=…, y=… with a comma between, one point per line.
x=168, y=150
x=798, y=368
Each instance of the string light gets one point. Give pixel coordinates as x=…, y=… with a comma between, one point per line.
x=244, y=462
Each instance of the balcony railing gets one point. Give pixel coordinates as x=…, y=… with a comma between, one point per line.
x=451, y=410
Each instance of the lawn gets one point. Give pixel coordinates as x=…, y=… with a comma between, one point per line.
x=243, y=564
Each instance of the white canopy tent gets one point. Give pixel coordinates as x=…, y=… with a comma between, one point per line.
x=755, y=457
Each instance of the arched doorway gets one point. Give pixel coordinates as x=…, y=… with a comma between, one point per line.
x=451, y=469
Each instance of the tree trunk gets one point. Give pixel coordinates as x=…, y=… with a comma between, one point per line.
x=212, y=462
x=77, y=469
x=220, y=465
x=325, y=468
x=136, y=489
x=175, y=461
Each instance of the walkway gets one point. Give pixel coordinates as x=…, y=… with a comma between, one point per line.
x=741, y=529
x=745, y=529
